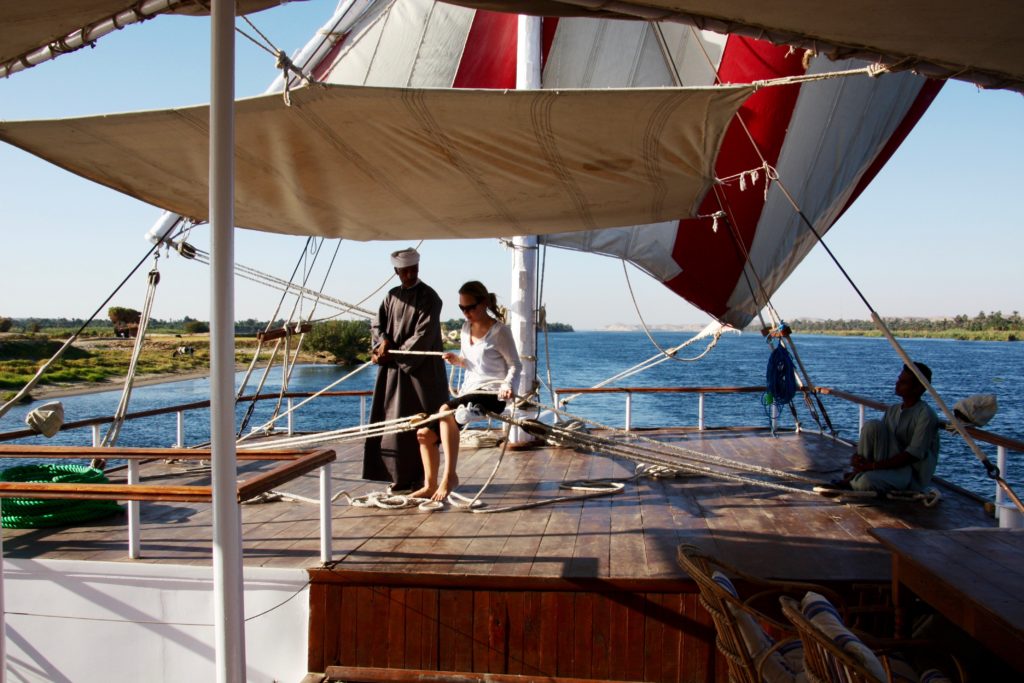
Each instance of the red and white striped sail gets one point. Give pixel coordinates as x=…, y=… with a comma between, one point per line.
x=825, y=140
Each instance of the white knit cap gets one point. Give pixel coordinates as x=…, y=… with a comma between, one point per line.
x=404, y=258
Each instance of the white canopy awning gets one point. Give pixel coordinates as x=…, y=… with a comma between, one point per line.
x=392, y=163
x=979, y=41
x=35, y=24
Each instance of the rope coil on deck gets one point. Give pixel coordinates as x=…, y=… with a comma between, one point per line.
x=33, y=513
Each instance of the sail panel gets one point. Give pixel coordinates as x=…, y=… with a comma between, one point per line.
x=385, y=163
x=826, y=165
x=843, y=126
x=975, y=41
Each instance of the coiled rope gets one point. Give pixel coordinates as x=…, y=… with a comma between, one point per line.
x=34, y=513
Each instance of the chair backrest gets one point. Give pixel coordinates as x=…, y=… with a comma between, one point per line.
x=824, y=660
x=716, y=600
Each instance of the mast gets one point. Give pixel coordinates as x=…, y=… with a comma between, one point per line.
x=522, y=308
x=228, y=616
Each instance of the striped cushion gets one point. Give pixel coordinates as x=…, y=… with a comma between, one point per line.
x=784, y=665
x=934, y=676
x=825, y=618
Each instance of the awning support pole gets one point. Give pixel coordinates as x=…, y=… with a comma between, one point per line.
x=228, y=616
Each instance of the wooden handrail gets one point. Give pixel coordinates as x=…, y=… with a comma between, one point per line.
x=295, y=462
x=852, y=398
x=979, y=434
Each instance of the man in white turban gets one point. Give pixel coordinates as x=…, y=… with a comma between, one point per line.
x=409, y=319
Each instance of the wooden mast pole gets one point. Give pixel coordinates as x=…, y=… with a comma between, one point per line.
x=522, y=309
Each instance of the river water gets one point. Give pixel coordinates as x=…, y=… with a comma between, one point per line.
x=863, y=366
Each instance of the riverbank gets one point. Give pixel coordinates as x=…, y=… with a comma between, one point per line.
x=95, y=365
x=45, y=392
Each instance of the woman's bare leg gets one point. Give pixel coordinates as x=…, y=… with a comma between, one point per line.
x=431, y=460
x=450, y=439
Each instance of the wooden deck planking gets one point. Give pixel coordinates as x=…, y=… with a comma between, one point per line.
x=555, y=551
x=632, y=535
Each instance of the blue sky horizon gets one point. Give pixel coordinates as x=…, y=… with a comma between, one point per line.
x=936, y=234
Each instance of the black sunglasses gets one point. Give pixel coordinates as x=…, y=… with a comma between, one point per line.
x=467, y=309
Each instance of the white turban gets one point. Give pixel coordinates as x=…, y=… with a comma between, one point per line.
x=404, y=258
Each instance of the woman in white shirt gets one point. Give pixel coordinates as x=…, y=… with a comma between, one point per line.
x=492, y=365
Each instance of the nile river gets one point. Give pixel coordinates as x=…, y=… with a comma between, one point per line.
x=864, y=366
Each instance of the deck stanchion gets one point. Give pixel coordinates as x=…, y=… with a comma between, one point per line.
x=700, y=411
x=1001, y=464
x=134, y=533
x=860, y=420
x=180, y=442
x=629, y=411
x=326, y=531
x=3, y=611
x=362, y=410
x=96, y=438
x=291, y=425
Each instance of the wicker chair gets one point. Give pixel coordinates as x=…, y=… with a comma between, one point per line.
x=726, y=610
x=827, y=662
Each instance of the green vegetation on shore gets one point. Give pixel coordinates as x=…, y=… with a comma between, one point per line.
x=982, y=327
x=62, y=328
x=99, y=360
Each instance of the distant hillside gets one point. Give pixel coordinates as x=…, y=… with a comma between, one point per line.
x=681, y=327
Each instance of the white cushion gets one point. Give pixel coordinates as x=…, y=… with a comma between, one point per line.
x=783, y=665
x=825, y=617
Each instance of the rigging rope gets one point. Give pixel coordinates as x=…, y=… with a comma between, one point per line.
x=680, y=451
x=715, y=329
x=114, y=431
x=330, y=386
x=18, y=397
x=291, y=316
x=748, y=270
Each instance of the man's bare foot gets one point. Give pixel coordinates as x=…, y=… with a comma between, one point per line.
x=446, y=487
x=426, y=492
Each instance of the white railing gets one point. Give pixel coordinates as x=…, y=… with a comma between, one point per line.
x=1006, y=512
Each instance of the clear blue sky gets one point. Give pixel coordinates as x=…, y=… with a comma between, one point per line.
x=939, y=232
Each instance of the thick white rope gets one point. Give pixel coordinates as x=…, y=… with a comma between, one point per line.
x=23, y=392
x=277, y=283
x=661, y=446
x=397, y=352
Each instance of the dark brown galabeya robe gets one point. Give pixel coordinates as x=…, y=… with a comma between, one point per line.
x=410, y=319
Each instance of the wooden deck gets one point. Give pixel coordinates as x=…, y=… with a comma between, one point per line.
x=632, y=535
x=575, y=589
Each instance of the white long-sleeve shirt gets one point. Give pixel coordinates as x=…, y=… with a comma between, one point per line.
x=491, y=363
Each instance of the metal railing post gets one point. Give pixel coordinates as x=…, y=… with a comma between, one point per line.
x=291, y=424
x=629, y=411
x=860, y=419
x=326, y=532
x=700, y=411
x=96, y=438
x=3, y=618
x=134, y=532
x=362, y=410
x=180, y=442
x=1001, y=464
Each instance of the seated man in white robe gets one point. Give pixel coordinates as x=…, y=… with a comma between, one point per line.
x=900, y=451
